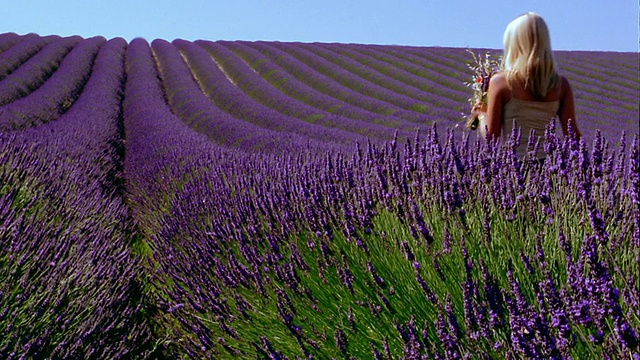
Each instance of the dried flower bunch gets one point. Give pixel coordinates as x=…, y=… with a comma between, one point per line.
x=483, y=67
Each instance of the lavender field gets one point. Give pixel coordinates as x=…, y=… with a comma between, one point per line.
x=272, y=200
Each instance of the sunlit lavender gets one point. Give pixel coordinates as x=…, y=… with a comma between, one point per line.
x=272, y=200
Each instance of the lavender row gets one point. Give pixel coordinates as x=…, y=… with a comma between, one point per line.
x=251, y=82
x=13, y=57
x=437, y=59
x=444, y=88
x=625, y=61
x=349, y=83
x=156, y=138
x=353, y=57
x=69, y=285
x=609, y=75
x=448, y=73
x=7, y=40
x=33, y=73
x=196, y=110
x=602, y=78
x=337, y=95
x=402, y=72
x=322, y=89
x=57, y=94
x=272, y=65
x=593, y=94
x=163, y=155
x=607, y=103
x=450, y=60
x=340, y=127
x=161, y=148
x=454, y=57
x=228, y=97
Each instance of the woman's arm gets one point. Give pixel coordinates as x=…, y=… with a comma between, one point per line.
x=567, y=112
x=498, y=89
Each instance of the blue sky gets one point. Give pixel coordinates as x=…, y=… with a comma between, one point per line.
x=610, y=25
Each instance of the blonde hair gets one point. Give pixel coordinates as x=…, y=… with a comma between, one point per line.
x=528, y=56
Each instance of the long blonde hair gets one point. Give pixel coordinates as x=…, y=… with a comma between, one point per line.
x=528, y=56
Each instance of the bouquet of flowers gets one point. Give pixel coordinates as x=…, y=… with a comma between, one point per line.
x=483, y=69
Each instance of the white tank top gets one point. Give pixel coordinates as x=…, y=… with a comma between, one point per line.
x=528, y=115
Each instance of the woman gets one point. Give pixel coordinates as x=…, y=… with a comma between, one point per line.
x=529, y=89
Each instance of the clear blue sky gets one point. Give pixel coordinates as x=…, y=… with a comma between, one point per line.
x=610, y=25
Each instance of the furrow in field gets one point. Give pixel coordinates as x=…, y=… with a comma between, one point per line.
x=453, y=59
x=386, y=80
x=57, y=94
x=233, y=100
x=16, y=55
x=322, y=91
x=258, y=84
x=446, y=91
x=35, y=71
x=61, y=195
x=389, y=76
x=627, y=61
x=7, y=40
x=607, y=77
x=193, y=106
x=605, y=93
x=352, y=88
x=618, y=66
x=253, y=85
x=452, y=82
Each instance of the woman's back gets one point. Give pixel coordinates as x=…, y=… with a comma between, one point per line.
x=529, y=90
x=509, y=102
x=528, y=115
x=522, y=109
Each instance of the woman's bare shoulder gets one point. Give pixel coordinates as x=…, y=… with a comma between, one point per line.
x=565, y=86
x=499, y=76
x=499, y=80
x=499, y=83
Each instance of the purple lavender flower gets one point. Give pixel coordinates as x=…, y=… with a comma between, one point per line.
x=341, y=340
